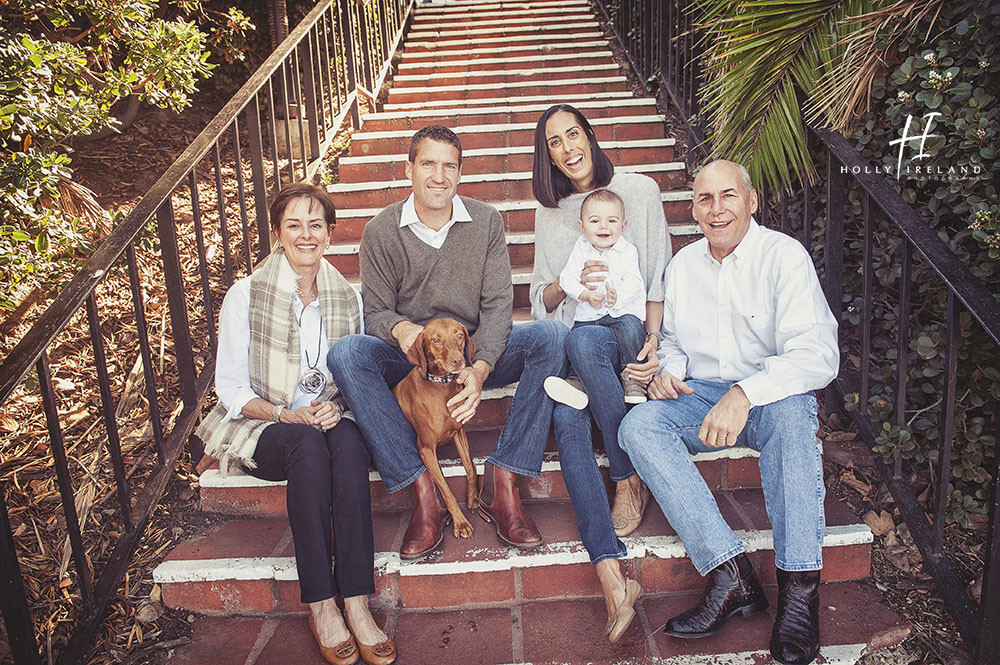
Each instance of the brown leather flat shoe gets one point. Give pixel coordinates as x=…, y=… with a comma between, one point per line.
x=624, y=613
x=382, y=653
x=624, y=525
x=345, y=653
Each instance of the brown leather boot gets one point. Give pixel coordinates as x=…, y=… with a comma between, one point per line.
x=424, y=533
x=500, y=503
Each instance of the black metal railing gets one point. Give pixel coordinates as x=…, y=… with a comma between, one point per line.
x=276, y=129
x=663, y=49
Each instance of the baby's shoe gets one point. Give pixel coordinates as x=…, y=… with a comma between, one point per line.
x=635, y=391
x=566, y=391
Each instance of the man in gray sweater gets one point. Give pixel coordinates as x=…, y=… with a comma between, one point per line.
x=436, y=255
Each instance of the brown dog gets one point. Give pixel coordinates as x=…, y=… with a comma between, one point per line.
x=440, y=351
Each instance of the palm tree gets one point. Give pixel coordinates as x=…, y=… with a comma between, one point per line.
x=763, y=58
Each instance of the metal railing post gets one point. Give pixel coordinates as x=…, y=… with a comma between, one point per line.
x=13, y=600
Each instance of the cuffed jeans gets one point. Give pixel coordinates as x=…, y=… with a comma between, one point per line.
x=327, y=476
x=660, y=436
x=364, y=368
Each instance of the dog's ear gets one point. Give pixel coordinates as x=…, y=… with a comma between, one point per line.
x=416, y=354
x=470, y=346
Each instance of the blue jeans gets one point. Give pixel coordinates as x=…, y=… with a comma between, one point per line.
x=364, y=368
x=628, y=333
x=597, y=355
x=584, y=483
x=660, y=436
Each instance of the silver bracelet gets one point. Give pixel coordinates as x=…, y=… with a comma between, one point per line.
x=276, y=413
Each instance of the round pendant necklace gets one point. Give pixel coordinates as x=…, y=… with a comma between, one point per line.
x=313, y=381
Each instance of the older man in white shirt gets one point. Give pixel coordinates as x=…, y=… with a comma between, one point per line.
x=745, y=321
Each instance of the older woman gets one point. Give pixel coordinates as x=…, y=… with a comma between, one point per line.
x=569, y=163
x=279, y=418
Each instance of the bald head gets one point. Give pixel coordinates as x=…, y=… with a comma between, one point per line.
x=724, y=200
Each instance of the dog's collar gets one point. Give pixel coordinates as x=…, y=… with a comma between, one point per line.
x=448, y=378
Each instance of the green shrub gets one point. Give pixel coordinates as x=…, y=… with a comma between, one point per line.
x=64, y=64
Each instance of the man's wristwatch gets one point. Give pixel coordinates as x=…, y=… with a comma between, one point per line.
x=655, y=336
x=276, y=413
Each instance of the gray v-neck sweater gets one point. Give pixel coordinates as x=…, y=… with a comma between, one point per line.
x=468, y=279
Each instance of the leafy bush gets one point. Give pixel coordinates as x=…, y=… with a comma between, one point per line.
x=953, y=73
x=64, y=64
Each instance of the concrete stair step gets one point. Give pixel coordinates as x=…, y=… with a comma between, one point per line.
x=512, y=48
x=246, y=566
x=477, y=76
x=581, y=86
x=599, y=56
x=501, y=159
x=457, y=6
x=478, y=23
x=567, y=631
x=491, y=31
x=456, y=116
x=444, y=46
x=496, y=186
x=488, y=135
x=428, y=104
x=241, y=494
x=437, y=14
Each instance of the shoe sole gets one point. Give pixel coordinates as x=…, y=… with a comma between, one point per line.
x=489, y=519
x=745, y=611
x=561, y=391
x=635, y=399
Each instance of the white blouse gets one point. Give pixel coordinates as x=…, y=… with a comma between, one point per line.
x=232, y=365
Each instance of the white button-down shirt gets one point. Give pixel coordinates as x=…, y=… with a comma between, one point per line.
x=232, y=365
x=408, y=217
x=759, y=318
x=623, y=276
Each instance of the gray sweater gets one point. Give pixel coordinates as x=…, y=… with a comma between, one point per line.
x=468, y=279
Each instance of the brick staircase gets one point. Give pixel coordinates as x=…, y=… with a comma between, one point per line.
x=488, y=70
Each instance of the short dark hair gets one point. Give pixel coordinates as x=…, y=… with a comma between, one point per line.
x=548, y=183
x=605, y=195
x=438, y=133
x=294, y=191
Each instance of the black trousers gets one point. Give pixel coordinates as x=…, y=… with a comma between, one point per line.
x=327, y=476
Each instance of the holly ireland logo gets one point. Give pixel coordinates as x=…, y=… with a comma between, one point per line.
x=929, y=117
x=913, y=170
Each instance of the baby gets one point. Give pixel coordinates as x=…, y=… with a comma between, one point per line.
x=618, y=303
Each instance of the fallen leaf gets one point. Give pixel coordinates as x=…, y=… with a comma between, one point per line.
x=880, y=524
x=155, y=594
x=65, y=583
x=8, y=424
x=149, y=612
x=849, y=479
x=841, y=436
x=887, y=638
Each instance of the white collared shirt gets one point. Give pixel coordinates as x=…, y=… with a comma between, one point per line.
x=623, y=276
x=232, y=365
x=408, y=217
x=759, y=318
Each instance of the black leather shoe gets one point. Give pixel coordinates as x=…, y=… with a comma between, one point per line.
x=732, y=589
x=795, y=637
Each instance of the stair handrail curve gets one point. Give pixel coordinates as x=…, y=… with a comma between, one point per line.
x=662, y=46
x=288, y=113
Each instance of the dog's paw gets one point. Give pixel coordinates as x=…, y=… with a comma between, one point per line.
x=463, y=529
x=472, y=501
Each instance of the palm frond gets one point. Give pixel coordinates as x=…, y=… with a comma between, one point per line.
x=757, y=54
x=843, y=93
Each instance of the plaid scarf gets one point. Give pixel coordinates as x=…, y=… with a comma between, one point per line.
x=274, y=351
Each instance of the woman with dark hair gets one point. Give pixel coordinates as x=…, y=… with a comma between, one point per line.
x=279, y=417
x=569, y=163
